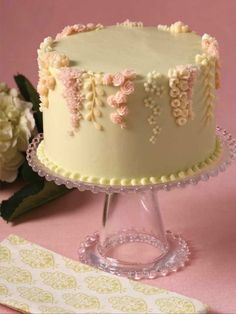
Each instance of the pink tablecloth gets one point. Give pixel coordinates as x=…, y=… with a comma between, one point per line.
x=205, y=214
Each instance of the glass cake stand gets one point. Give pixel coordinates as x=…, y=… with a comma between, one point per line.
x=132, y=241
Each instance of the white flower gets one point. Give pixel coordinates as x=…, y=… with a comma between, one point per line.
x=16, y=124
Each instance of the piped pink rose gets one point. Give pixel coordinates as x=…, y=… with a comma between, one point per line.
x=118, y=79
x=120, y=97
x=127, y=88
x=111, y=100
x=123, y=110
x=117, y=119
x=129, y=74
x=107, y=79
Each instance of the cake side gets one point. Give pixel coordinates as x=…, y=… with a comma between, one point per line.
x=130, y=127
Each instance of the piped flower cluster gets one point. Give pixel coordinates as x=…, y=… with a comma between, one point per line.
x=123, y=80
x=46, y=59
x=77, y=28
x=181, y=81
x=155, y=89
x=152, y=84
x=72, y=82
x=177, y=27
x=128, y=23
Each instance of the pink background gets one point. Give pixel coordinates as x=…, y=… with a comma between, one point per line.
x=206, y=214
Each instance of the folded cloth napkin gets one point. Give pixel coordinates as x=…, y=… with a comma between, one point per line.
x=36, y=280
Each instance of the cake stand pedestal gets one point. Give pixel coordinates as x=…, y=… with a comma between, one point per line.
x=132, y=241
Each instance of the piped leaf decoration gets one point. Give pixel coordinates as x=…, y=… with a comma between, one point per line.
x=89, y=105
x=97, y=112
x=88, y=86
x=99, y=91
x=97, y=126
x=93, y=91
x=99, y=102
x=88, y=116
x=89, y=96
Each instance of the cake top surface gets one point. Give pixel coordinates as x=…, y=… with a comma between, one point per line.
x=114, y=48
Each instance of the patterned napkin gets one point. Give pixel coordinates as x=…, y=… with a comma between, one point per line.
x=36, y=280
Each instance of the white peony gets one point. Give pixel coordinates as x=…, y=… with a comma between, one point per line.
x=16, y=124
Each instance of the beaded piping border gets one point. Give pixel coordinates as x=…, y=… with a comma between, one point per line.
x=58, y=170
x=228, y=154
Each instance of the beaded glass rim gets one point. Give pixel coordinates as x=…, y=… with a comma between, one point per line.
x=228, y=154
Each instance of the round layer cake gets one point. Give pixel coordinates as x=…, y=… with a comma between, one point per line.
x=128, y=104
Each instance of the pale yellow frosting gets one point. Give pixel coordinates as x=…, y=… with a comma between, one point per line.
x=115, y=48
x=182, y=174
x=153, y=145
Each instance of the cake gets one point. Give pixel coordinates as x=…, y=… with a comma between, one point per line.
x=128, y=104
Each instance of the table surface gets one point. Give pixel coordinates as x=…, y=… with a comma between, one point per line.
x=204, y=214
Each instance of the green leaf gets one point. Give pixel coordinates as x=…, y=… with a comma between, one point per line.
x=30, y=196
x=30, y=94
x=27, y=173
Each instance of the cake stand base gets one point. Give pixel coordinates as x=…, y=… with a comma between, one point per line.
x=132, y=241
x=173, y=260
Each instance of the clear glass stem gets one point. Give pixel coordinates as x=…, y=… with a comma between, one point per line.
x=132, y=241
x=132, y=228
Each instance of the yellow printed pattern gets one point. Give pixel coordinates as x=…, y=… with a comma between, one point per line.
x=77, y=267
x=103, y=284
x=5, y=254
x=3, y=290
x=58, y=280
x=35, y=294
x=15, y=275
x=15, y=240
x=36, y=280
x=18, y=305
x=127, y=304
x=175, y=305
x=81, y=301
x=53, y=310
x=37, y=258
x=145, y=289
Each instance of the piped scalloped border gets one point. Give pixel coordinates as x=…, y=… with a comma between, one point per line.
x=47, y=57
x=197, y=168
